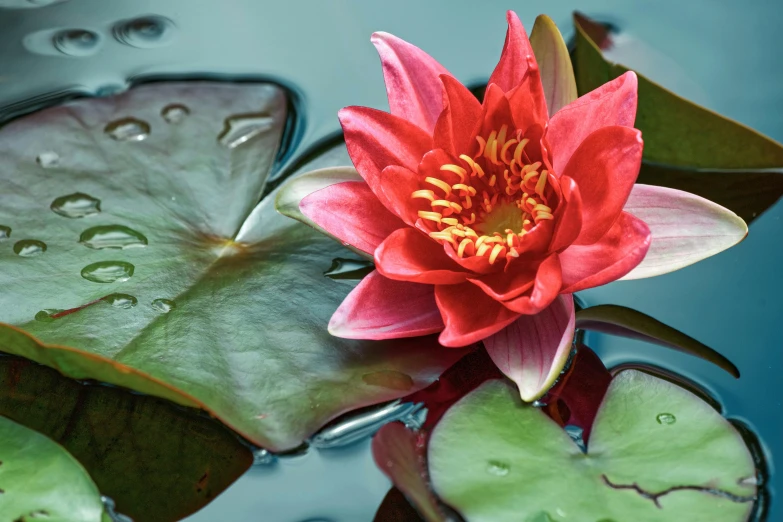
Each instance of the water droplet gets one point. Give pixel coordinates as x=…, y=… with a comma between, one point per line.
x=349, y=268
x=5, y=232
x=577, y=435
x=76, y=205
x=77, y=42
x=164, y=306
x=48, y=159
x=124, y=301
x=497, y=468
x=29, y=247
x=111, y=89
x=262, y=457
x=666, y=418
x=144, y=32
x=390, y=379
x=128, y=129
x=174, y=113
x=112, y=236
x=753, y=480
x=108, y=271
x=45, y=315
x=241, y=128
x=538, y=404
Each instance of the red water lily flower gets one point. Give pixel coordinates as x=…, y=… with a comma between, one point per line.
x=484, y=218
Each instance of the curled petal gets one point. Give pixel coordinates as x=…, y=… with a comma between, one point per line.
x=377, y=139
x=513, y=64
x=412, y=82
x=502, y=286
x=685, y=228
x=380, y=308
x=609, y=259
x=605, y=167
x=614, y=103
x=461, y=112
x=533, y=350
x=545, y=289
x=408, y=255
x=469, y=314
x=342, y=210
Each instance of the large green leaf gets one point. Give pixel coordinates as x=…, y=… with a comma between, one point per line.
x=39, y=480
x=157, y=461
x=226, y=306
x=686, y=146
x=656, y=453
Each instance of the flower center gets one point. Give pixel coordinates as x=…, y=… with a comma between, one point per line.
x=486, y=204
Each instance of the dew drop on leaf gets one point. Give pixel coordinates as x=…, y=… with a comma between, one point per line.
x=124, y=301
x=48, y=159
x=29, y=247
x=5, y=232
x=242, y=128
x=498, y=468
x=666, y=418
x=45, y=315
x=128, y=129
x=174, y=113
x=164, y=306
x=108, y=271
x=76, y=205
x=112, y=236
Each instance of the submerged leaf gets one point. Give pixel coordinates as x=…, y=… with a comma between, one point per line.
x=627, y=322
x=232, y=302
x=40, y=480
x=687, y=146
x=657, y=453
x=156, y=461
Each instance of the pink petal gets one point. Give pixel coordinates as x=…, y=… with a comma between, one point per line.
x=461, y=113
x=351, y=212
x=685, y=228
x=377, y=139
x=605, y=167
x=469, y=314
x=613, y=256
x=412, y=84
x=514, y=60
x=394, y=189
x=613, y=103
x=409, y=255
x=380, y=308
x=528, y=100
x=568, y=215
x=533, y=350
x=544, y=291
x=513, y=282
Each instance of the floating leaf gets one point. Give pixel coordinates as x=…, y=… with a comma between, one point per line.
x=156, y=461
x=657, y=453
x=39, y=480
x=243, y=333
x=687, y=146
x=627, y=322
x=398, y=452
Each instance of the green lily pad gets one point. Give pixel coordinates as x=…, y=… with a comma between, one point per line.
x=155, y=460
x=656, y=453
x=686, y=146
x=39, y=480
x=231, y=304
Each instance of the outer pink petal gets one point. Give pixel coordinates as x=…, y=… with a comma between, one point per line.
x=533, y=350
x=685, y=228
x=352, y=213
x=613, y=103
x=408, y=255
x=511, y=283
x=379, y=308
x=514, y=60
x=568, y=216
x=394, y=189
x=456, y=124
x=377, y=139
x=605, y=167
x=469, y=314
x=412, y=84
x=616, y=254
x=545, y=289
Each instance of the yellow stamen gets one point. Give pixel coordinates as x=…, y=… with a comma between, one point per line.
x=424, y=194
x=543, y=215
x=467, y=203
x=542, y=208
x=456, y=206
x=510, y=239
x=444, y=237
x=488, y=149
x=466, y=221
x=466, y=188
x=541, y=183
x=504, y=150
x=441, y=203
x=445, y=187
x=469, y=232
x=496, y=250
x=512, y=252
x=482, y=250
x=531, y=174
x=432, y=216
x=519, y=149
x=450, y=221
x=492, y=180
x=456, y=169
x=502, y=136
x=493, y=153
x=480, y=241
x=482, y=146
x=462, y=246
